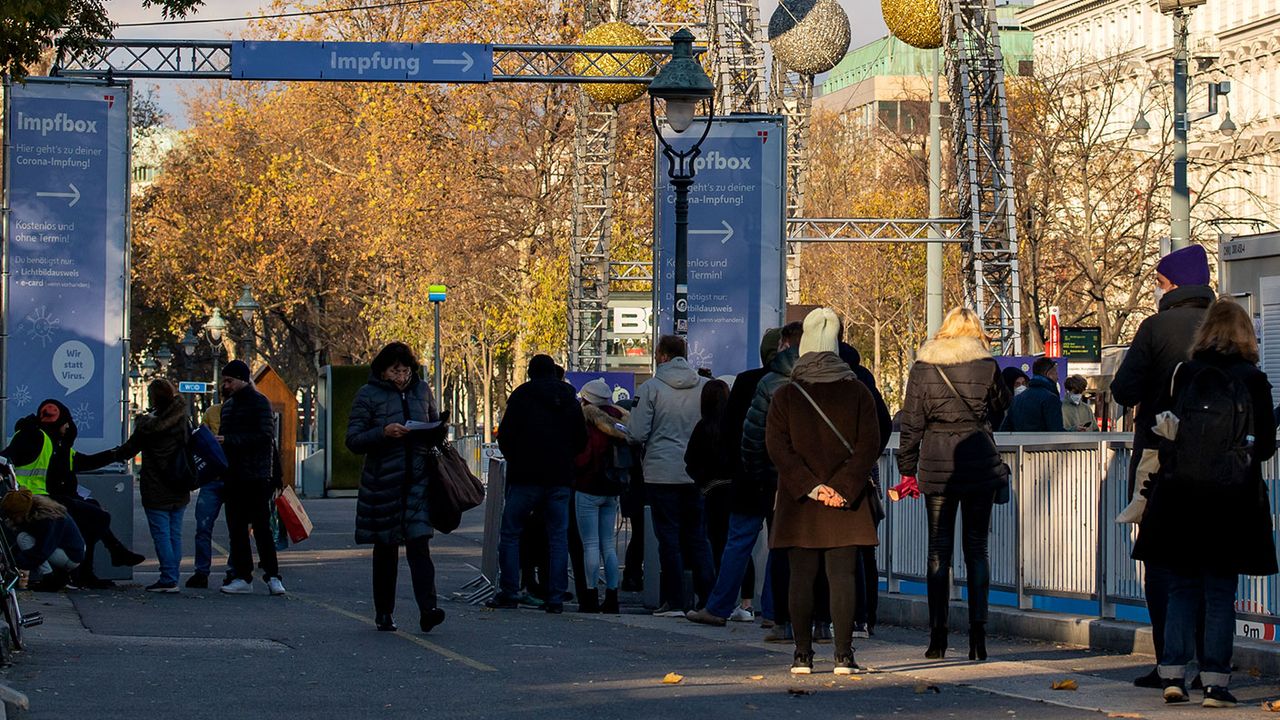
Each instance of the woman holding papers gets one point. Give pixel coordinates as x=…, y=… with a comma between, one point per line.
x=394, y=423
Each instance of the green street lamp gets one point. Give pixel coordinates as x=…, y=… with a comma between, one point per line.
x=681, y=84
x=214, y=329
x=247, y=307
x=189, y=343
x=164, y=356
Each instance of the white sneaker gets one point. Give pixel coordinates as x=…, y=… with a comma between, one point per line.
x=741, y=614
x=238, y=587
x=277, y=587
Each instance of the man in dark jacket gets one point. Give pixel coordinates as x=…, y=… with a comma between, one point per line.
x=541, y=434
x=46, y=464
x=1039, y=408
x=1162, y=341
x=248, y=439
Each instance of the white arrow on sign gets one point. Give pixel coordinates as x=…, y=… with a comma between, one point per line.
x=725, y=234
x=466, y=62
x=74, y=195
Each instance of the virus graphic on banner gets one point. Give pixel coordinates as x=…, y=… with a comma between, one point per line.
x=40, y=324
x=84, y=416
x=22, y=396
x=700, y=356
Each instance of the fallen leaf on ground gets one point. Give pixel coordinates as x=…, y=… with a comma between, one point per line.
x=1135, y=716
x=855, y=677
x=672, y=679
x=1065, y=685
x=922, y=688
x=755, y=677
x=797, y=692
x=1255, y=673
x=1271, y=705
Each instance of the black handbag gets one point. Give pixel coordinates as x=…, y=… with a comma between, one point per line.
x=1002, y=491
x=451, y=490
x=872, y=489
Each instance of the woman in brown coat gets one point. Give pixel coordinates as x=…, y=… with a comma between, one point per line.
x=822, y=509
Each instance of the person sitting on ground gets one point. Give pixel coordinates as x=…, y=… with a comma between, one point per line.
x=1077, y=416
x=46, y=464
x=46, y=540
x=1039, y=408
x=598, y=483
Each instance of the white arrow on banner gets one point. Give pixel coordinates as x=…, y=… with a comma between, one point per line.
x=725, y=233
x=466, y=62
x=74, y=195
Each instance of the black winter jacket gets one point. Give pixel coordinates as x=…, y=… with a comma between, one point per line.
x=759, y=483
x=60, y=479
x=541, y=433
x=1163, y=340
x=1205, y=528
x=1037, y=409
x=850, y=355
x=743, y=499
x=949, y=450
x=158, y=435
x=392, y=503
x=248, y=436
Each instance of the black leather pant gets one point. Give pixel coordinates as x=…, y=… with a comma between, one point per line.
x=975, y=513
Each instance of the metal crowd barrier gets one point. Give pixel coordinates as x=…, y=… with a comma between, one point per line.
x=1057, y=537
x=468, y=446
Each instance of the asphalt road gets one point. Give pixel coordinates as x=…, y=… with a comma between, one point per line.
x=125, y=653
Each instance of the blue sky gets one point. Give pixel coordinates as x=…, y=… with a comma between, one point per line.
x=864, y=17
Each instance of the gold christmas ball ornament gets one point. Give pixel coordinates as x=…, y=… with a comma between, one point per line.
x=608, y=65
x=917, y=23
x=809, y=36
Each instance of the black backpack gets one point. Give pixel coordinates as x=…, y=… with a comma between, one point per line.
x=184, y=472
x=618, y=463
x=1214, y=443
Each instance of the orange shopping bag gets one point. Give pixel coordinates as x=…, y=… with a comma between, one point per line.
x=293, y=516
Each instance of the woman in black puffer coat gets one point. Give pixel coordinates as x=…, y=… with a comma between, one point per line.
x=391, y=509
x=947, y=442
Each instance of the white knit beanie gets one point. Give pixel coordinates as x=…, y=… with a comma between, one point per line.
x=821, y=332
x=597, y=392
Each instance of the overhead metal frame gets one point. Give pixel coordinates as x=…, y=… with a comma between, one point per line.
x=984, y=167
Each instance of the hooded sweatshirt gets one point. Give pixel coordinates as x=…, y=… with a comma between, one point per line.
x=668, y=407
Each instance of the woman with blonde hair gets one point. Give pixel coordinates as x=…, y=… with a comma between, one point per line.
x=953, y=391
x=1208, y=519
x=48, y=543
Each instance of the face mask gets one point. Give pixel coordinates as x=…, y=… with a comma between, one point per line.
x=1020, y=389
x=1159, y=295
x=1075, y=398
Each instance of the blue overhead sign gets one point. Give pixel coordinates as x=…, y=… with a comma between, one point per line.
x=736, y=224
x=68, y=184
x=188, y=386
x=361, y=61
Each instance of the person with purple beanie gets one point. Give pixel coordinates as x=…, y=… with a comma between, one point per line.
x=1161, y=343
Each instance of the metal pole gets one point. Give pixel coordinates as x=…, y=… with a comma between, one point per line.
x=436, y=353
x=217, y=371
x=681, y=184
x=933, y=257
x=1180, y=204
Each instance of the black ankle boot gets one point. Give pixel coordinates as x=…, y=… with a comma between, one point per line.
x=610, y=604
x=937, y=644
x=977, y=641
x=384, y=622
x=589, y=602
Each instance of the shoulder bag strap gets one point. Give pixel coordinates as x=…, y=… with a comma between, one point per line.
x=824, y=417
x=959, y=397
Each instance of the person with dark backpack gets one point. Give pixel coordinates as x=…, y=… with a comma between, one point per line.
x=1208, y=518
x=603, y=473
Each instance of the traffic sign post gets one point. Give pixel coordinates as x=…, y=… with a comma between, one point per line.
x=436, y=295
x=194, y=388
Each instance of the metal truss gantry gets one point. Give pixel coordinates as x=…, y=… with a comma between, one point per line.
x=984, y=167
x=792, y=97
x=735, y=51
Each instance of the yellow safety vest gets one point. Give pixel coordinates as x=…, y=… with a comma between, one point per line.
x=32, y=476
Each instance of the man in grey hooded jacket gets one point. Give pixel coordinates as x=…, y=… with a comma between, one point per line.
x=667, y=409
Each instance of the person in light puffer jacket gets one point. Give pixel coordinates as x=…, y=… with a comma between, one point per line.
x=668, y=409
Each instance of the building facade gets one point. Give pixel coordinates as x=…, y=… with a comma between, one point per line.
x=1237, y=41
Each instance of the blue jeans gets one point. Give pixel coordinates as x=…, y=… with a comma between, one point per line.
x=208, y=506
x=1192, y=598
x=598, y=526
x=521, y=501
x=166, y=532
x=680, y=525
x=743, y=532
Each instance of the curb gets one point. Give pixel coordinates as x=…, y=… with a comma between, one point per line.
x=1106, y=635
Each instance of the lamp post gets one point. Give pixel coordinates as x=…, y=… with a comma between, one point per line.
x=164, y=356
x=1180, y=202
x=436, y=295
x=247, y=307
x=213, y=330
x=682, y=84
